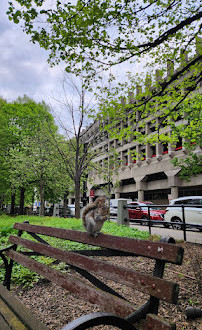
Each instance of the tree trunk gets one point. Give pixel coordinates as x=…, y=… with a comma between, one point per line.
x=77, y=197
x=22, y=200
x=65, y=204
x=41, y=192
x=12, y=211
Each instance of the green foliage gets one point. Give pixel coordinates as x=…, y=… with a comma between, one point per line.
x=175, y=117
x=193, y=302
x=85, y=33
x=5, y=231
x=24, y=276
x=191, y=166
x=90, y=35
x=123, y=231
x=108, y=171
x=28, y=158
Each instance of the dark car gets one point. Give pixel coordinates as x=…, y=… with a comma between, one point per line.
x=139, y=210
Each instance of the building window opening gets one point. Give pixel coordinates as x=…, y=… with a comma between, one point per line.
x=156, y=177
x=126, y=182
x=165, y=148
x=153, y=150
x=179, y=145
x=143, y=154
x=152, y=128
x=126, y=160
x=157, y=195
x=133, y=154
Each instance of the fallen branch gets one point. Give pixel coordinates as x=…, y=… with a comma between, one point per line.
x=178, y=273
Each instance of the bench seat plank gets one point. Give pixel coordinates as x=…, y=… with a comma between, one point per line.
x=17, y=316
x=154, y=322
x=152, y=285
x=87, y=266
x=3, y=324
x=10, y=318
x=158, y=250
x=105, y=300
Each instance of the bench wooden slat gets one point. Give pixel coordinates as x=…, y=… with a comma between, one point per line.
x=10, y=318
x=154, y=322
x=152, y=285
x=105, y=300
x=3, y=324
x=157, y=250
x=15, y=307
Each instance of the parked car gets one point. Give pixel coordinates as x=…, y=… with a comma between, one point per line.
x=193, y=212
x=72, y=209
x=62, y=211
x=114, y=205
x=137, y=210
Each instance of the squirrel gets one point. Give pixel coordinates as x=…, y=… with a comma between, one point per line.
x=94, y=215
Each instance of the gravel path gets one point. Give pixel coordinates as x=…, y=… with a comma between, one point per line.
x=56, y=307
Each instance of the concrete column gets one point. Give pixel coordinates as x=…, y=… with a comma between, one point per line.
x=171, y=150
x=117, y=195
x=122, y=213
x=174, y=192
x=159, y=151
x=141, y=195
x=130, y=158
x=131, y=97
x=56, y=210
x=184, y=57
x=138, y=151
x=90, y=199
x=170, y=67
x=148, y=153
x=122, y=158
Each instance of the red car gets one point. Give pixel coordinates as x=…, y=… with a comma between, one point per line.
x=141, y=211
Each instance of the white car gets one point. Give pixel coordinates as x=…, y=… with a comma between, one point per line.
x=72, y=208
x=193, y=212
x=114, y=205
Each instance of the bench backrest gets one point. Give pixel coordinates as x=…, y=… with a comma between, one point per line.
x=81, y=261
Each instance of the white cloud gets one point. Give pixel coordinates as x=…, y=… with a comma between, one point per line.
x=23, y=65
x=24, y=68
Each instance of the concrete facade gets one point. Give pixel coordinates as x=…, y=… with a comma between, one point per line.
x=151, y=176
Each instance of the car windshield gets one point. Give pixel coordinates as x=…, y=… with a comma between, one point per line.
x=151, y=208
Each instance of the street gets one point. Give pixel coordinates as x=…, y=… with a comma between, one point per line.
x=192, y=236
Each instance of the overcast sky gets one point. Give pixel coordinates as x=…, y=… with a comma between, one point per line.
x=23, y=65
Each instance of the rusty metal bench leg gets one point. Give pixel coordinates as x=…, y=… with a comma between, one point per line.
x=99, y=318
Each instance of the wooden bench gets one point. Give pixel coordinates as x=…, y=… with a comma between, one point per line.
x=116, y=309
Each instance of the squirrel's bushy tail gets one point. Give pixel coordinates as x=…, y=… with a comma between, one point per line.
x=92, y=206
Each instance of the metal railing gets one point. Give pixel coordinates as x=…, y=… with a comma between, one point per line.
x=184, y=226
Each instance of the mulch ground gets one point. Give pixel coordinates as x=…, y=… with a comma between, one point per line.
x=57, y=307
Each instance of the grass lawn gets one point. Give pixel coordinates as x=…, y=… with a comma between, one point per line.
x=21, y=275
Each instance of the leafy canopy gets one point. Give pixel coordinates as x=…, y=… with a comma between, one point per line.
x=101, y=33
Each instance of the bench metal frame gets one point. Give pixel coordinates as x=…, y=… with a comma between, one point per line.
x=118, y=310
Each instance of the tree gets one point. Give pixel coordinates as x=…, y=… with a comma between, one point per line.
x=28, y=158
x=5, y=139
x=72, y=147
x=90, y=35
x=108, y=172
x=109, y=32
